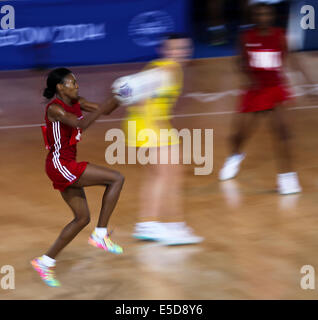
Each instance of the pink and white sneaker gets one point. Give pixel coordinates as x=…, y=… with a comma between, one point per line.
x=104, y=243
x=47, y=274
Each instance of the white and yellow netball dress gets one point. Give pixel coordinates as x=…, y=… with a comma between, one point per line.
x=145, y=121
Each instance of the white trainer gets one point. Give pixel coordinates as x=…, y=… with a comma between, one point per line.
x=231, y=166
x=178, y=234
x=151, y=231
x=288, y=183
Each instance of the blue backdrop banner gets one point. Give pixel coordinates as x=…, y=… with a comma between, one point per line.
x=81, y=32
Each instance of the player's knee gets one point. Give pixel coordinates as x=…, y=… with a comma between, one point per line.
x=117, y=181
x=120, y=179
x=83, y=221
x=87, y=220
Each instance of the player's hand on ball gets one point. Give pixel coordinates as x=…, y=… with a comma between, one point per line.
x=121, y=90
x=140, y=86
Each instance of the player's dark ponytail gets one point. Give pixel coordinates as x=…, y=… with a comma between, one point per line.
x=48, y=93
x=55, y=77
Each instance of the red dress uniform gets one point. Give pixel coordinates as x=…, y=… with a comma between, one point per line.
x=264, y=56
x=61, y=166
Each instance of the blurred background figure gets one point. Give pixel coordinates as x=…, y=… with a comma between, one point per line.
x=162, y=182
x=263, y=51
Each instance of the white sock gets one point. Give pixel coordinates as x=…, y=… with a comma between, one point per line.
x=47, y=261
x=238, y=155
x=287, y=174
x=101, y=232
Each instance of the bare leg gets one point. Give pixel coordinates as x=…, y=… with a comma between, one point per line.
x=160, y=192
x=282, y=139
x=76, y=199
x=150, y=194
x=244, y=125
x=113, y=180
x=161, y=200
x=171, y=203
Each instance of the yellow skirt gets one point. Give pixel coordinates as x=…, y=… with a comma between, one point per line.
x=142, y=132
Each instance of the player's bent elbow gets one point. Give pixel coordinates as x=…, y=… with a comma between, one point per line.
x=82, y=125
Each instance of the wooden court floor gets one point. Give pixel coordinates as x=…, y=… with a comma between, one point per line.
x=255, y=240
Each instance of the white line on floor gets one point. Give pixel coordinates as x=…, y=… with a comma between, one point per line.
x=185, y=115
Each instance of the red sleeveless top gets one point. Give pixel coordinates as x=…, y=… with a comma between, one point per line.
x=61, y=139
x=265, y=55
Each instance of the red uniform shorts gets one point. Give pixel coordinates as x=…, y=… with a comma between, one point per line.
x=64, y=173
x=265, y=98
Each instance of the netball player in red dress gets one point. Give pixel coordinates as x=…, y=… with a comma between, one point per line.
x=263, y=51
x=64, y=125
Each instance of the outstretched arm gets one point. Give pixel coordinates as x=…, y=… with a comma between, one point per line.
x=92, y=106
x=242, y=61
x=88, y=106
x=57, y=113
